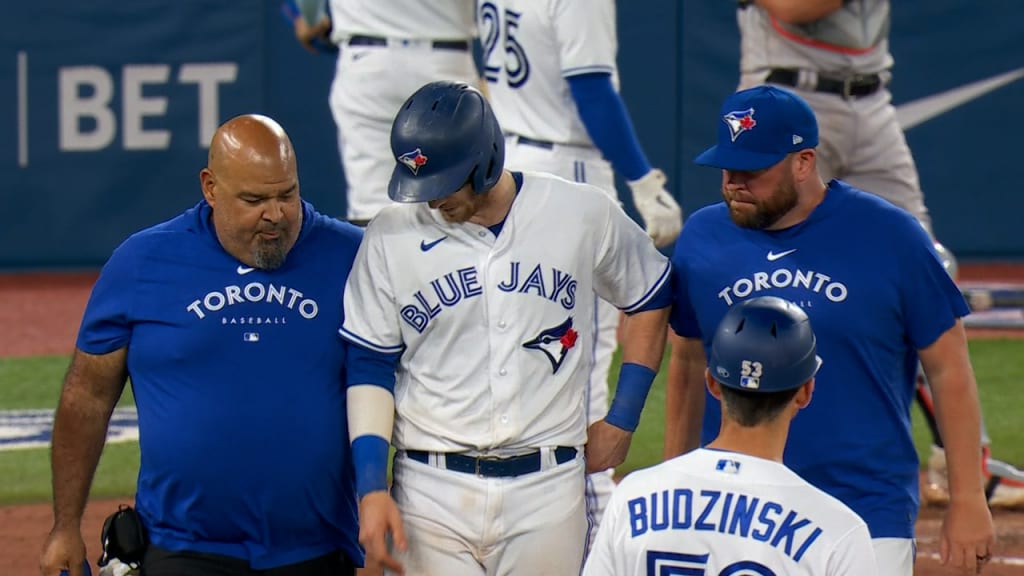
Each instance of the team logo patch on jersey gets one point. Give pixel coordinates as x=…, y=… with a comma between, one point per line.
x=413, y=160
x=739, y=121
x=554, y=343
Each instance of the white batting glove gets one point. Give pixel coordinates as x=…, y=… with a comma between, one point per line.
x=117, y=568
x=661, y=213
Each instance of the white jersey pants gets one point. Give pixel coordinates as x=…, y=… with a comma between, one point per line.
x=459, y=523
x=895, y=556
x=370, y=85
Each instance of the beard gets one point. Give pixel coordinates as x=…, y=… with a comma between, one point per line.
x=766, y=213
x=269, y=253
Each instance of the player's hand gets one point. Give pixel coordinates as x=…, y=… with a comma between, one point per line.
x=306, y=33
x=64, y=549
x=379, y=517
x=662, y=215
x=607, y=446
x=967, y=534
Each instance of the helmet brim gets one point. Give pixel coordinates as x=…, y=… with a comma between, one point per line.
x=407, y=188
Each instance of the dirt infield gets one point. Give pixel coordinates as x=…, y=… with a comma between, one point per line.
x=40, y=314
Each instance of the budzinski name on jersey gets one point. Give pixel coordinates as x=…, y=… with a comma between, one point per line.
x=290, y=298
x=726, y=513
x=449, y=289
x=785, y=278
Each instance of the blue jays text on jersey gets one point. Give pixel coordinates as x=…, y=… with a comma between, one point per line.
x=724, y=512
x=451, y=288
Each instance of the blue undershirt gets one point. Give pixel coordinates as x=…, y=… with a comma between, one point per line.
x=607, y=122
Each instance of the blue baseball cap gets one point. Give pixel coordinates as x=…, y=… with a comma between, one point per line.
x=759, y=127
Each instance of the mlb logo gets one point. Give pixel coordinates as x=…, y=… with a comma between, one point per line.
x=251, y=337
x=751, y=382
x=728, y=466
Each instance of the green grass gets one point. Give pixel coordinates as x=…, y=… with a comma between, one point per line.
x=998, y=366
x=35, y=383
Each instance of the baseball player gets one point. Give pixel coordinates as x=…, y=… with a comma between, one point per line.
x=879, y=300
x=477, y=287
x=225, y=319
x=388, y=50
x=553, y=81
x=733, y=507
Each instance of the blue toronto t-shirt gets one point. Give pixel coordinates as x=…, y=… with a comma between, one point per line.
x=867, y=275
x=238, y=377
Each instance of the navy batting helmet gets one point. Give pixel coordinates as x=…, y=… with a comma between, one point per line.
x=764, y=344
x=445, y=135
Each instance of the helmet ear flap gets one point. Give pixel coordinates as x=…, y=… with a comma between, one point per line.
x=488, y=171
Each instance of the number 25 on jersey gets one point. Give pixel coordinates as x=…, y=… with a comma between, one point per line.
x=500, y=28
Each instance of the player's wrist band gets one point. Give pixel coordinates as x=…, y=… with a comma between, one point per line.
x=630, y=395
x=370, y=456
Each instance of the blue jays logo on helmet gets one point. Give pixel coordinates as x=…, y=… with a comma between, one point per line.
x=554, y=343
x=413, y=160
x=739, y=121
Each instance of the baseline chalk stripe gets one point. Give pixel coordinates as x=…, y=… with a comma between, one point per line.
x=20, y=429
x=1004, y=560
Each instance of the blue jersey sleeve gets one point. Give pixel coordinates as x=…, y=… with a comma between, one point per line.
x=661, y=299
x=683, y=318
x=931, y=300
x=107, y=322
x=607, y=122
x=366, y=366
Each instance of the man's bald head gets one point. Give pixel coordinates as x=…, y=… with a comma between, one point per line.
x=251, y=183
x=253, y=141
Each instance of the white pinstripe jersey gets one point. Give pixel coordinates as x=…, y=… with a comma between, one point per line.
x=530, y=47
x=496, y=332
x=409, y=19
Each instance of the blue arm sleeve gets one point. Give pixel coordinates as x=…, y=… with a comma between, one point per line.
x=604, y=115
x=370, y=452
x=365, y=366
x=630, y=395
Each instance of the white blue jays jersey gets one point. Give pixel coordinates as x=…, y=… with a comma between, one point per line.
x=496, y=332
x=403, y=19
x=853, y=39
x=866, y=274
x=710, y=512
x=530, y=48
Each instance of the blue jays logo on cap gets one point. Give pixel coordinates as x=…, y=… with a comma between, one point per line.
x=739, y=121
x=413, y=160
x=784, y=124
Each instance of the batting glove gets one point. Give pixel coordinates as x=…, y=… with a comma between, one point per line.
x=661, y=213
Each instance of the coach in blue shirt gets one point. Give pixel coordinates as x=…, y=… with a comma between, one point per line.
x=868, y=276
x=225, y=318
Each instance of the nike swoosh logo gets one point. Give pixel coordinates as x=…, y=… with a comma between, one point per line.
x=243, y=270
x=916, y=112
x=426, y=246
x=772, y=256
